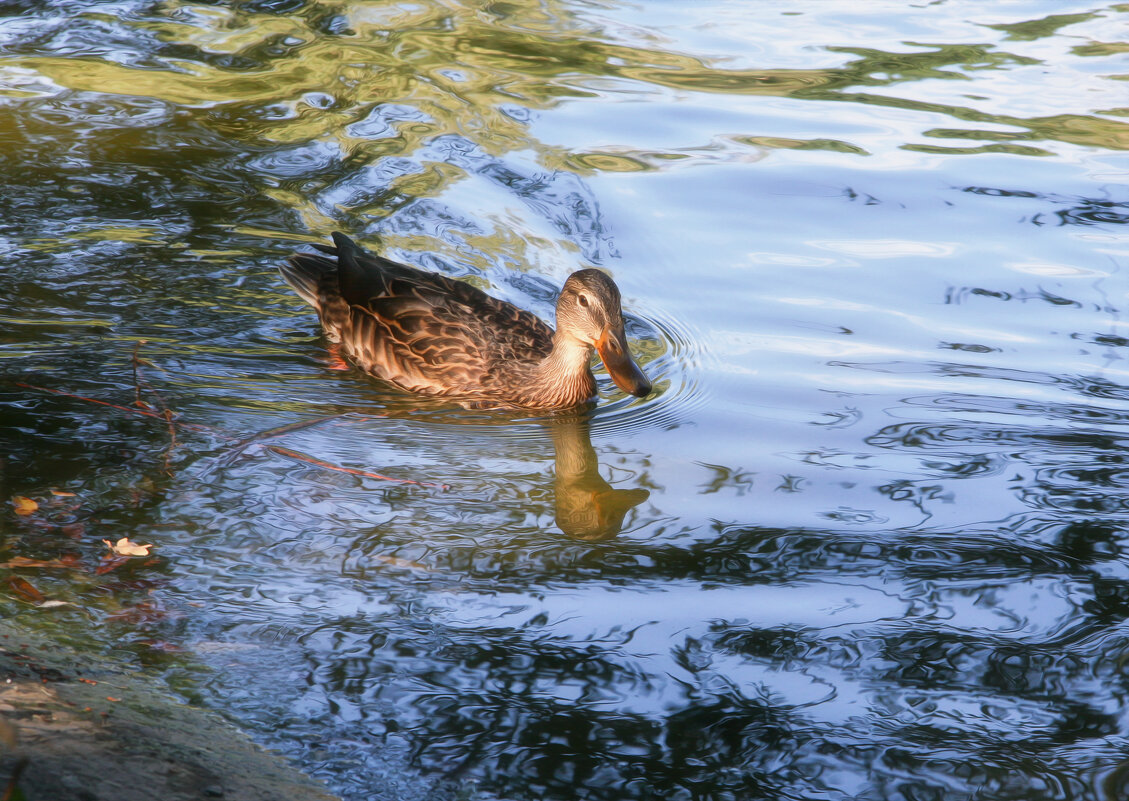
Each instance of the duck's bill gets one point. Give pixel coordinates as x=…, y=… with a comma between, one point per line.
x=612, y=347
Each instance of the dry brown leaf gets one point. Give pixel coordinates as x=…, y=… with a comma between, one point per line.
x=24, y=589
x=74, y=530
x=24, y=506
x=62, y=494
x=124, y=547
x=110, y=563
x=23, y=561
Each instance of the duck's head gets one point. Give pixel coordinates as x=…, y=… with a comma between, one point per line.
x=589, y=310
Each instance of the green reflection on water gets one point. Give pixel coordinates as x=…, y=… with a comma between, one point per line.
x=1042, y=28
x=268, y=79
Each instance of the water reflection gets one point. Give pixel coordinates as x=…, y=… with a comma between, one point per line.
x=916, y=590
x=587, y=507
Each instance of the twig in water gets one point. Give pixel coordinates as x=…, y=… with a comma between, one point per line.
x=88, y=400
x=242, y=445
x=144, y=412
x=137, y=377
x=166, y=413
x=172, y=440
x=351, y=471
x=239, y=445
x=286, y=429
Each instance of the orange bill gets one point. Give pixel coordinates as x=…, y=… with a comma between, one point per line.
x=612, y=347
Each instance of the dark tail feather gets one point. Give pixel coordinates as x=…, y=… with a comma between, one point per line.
x=351, y=273
x=344, y=245
x=303, y=272
x=358, y=272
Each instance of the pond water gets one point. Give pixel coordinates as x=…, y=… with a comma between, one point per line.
x=867, y=538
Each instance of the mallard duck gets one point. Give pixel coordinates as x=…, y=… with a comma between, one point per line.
x=436, y=336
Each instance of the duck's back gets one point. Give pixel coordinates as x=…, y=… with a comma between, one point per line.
x=419, y=330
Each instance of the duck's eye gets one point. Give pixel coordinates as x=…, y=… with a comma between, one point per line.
x=583, y=299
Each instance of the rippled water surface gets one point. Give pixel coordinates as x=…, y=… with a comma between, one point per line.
x=867, y=539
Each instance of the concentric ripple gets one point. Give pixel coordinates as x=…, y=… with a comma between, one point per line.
x=672, y=361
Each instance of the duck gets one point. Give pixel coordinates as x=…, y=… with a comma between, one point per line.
x=436, y=336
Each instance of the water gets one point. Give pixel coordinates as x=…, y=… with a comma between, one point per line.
x=867, y=538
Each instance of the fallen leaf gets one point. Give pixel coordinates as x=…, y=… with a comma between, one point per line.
x=124, y=547
x=61, y=494
x=23, y=561
x=24, y=506
x=53, y=604
x=24, y=589
x=109, y=563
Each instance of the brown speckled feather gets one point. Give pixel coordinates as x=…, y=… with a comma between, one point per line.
x=433, y=335
x=422, y=331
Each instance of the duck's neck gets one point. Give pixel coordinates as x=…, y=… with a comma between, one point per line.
x=564, y=374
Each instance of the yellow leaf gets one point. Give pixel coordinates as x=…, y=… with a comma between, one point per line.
x=124, y=547
x=24, y=506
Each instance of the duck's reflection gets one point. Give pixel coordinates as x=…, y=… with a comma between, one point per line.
x=587, y=507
